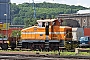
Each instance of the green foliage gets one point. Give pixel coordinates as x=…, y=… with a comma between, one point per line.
x=16, y=33
x=0, y=35
x=23, y=14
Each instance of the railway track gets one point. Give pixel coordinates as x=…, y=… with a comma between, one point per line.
x=38, y=56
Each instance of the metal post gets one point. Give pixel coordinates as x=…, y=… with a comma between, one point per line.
x=6, y=26
x=47, y=37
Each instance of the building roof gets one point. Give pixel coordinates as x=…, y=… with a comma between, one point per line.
x=16, y=26
x=83, y=11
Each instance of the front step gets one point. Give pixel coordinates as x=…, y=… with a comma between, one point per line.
x=19, y=44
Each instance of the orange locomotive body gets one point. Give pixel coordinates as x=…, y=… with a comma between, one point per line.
x=38, y=33
x=35, y=36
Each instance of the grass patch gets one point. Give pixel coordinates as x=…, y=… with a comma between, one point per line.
x=84, y=54
x=65, y=53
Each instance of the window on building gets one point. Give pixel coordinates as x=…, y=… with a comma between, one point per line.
x=84, y=20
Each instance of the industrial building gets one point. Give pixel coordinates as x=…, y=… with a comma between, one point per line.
x=82, y=19
x=5, y=11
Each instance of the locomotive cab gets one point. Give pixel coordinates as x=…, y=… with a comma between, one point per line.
x=50, y=22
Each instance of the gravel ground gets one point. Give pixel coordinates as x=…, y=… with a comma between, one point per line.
x=34, y=58
x=29, y=58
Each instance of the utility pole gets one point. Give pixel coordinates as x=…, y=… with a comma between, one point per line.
x=34, y=9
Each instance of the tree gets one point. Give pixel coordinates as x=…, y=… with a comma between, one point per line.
x=16, y=33
x=22, y=14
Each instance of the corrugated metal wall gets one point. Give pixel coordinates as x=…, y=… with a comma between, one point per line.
x=4, y=9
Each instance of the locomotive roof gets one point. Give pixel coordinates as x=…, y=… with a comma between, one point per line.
x=46, y=20
x=65, y=27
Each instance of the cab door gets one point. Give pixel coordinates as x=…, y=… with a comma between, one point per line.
x=89, y=41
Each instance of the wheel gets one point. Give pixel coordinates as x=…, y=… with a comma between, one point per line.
x=4, y=46
x=12, y=48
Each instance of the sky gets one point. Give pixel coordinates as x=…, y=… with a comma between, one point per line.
x=85, y=3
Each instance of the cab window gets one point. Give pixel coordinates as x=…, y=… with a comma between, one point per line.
x=40, y=24
x=84, y=38
x=43, y=24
